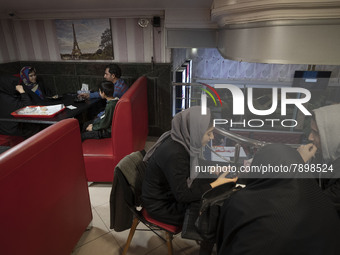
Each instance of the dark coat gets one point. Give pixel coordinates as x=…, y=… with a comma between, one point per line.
x=36, y=100
x=165, y=192
x=331, y=186
x=11, y=100
x=126, y=190
x=278, y=216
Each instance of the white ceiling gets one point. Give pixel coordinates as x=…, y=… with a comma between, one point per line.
x=59, y=5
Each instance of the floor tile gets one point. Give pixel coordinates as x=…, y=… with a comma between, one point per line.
x=190, y=247
x=98, y=229
x=104, y=245
x=163, y=249
x=100, y=193
x=142, y=242
x=104, y=213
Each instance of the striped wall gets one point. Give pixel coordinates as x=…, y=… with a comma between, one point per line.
x=35, y=40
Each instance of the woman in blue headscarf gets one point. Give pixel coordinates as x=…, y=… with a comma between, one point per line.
x=33, y=86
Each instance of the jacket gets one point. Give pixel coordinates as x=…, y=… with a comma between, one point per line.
x=126, y=190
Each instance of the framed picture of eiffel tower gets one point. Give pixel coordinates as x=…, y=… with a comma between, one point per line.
x=85, y=39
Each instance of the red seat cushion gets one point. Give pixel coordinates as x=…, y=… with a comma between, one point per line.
x=171, y=228
x=98, y=147
x=99, y=159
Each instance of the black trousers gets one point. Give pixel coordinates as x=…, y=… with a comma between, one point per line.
x=96, y=134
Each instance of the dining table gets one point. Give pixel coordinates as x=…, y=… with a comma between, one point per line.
x=74, y=108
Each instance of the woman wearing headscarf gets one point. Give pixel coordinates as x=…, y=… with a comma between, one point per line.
x=277, y=215
x=13, y=97
x=33, y=86
x=325, y=149
x=170, y=182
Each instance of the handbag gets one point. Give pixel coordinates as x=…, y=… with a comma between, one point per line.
x=210, y=209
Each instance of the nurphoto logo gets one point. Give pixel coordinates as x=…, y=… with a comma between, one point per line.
x=239, y=104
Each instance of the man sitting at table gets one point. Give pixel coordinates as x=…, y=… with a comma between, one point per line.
x=112, y=74
x=100, y=127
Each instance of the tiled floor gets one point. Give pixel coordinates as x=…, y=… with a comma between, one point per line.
x=101, y=240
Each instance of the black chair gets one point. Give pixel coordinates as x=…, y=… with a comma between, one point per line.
x=130, y=171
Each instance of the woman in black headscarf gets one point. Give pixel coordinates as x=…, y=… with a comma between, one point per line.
x=13, y=97
x=170, y=182
x=278, y=215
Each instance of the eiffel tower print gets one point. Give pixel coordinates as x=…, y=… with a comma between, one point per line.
x=76, y=52
x=85, y=39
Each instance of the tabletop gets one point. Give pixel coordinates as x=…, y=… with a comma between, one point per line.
x=67, y=100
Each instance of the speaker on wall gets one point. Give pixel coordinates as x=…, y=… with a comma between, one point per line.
x=156, y=21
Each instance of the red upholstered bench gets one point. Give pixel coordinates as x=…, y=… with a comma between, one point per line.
x=45, y=204
x=10, y=140
x=128, y=134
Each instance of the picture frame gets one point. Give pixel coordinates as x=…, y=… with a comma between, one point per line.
x=85, y=39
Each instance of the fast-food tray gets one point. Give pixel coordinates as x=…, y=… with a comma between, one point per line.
x=39, y=111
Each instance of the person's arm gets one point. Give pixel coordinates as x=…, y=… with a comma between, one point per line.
x=176, y=170
x=94, y=95
x=106, y=121
x=24, y=98
x=91, y=95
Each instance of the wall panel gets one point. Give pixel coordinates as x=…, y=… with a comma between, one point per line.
x=35, y=40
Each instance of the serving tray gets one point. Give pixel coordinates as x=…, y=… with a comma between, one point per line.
x=39, y=111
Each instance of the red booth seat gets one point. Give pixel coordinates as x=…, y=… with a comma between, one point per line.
x=128, y=134
x=10, y=140
x=45, y=205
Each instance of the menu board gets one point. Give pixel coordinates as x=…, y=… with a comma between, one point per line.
x=39, y=111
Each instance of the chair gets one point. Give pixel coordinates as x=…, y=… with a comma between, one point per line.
x=130, y=171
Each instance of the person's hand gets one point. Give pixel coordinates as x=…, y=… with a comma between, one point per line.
x=307, y=151
x=20, y=89
x=221, y=180
x=89, y=127
x=85, y=96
